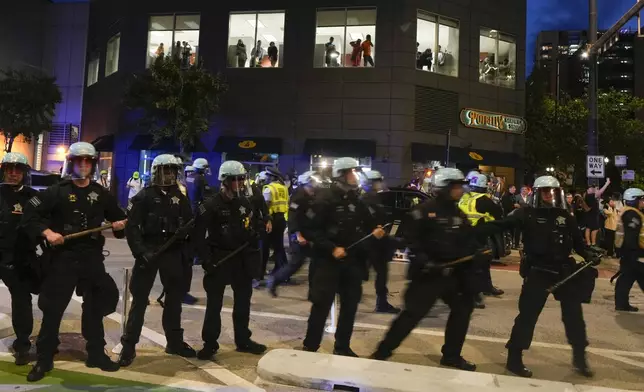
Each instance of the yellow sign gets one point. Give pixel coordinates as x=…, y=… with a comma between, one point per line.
x=247, y=144
x=491, y=121
x=475, y=156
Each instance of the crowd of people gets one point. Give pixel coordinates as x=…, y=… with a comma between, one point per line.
x=339, y=227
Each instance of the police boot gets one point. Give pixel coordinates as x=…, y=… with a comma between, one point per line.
x=251, y=347
x=383, y=306
x=21, y=357
x=40, y=369
x=345, y=352
x=627, y=308
x=580, y=363
x=478, y=302
x=458, y=363
x=208, y=351
x=128, y=353
x=181, y=349
x=102, y=361
x=271, y=285
x=188, y=299
x=494, y=292
x=380, y=356
x=515, y=364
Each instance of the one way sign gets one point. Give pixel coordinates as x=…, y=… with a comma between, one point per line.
x=595, y=166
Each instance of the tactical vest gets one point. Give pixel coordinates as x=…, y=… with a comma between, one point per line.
x=619, y=233
x=468, y=206
x=279, y=198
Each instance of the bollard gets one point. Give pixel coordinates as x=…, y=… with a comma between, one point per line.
x=125, y=308
x=331, y=328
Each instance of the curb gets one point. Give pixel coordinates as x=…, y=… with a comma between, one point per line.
x=6, y=328
x=331, y=372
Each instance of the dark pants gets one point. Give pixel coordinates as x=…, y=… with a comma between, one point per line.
x=299, y=255
x=170, y=266
x=609, y=242
x=231, y=272
x=531, y=302
x=69, y=269
x=631, y=271
x=368, y=60
x=517, y=237
x=22, y=317
x=343, y=277
x=275, y=240
x=382, y=252
x=420, y=297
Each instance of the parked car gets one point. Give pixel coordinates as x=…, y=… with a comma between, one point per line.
x=41, y=180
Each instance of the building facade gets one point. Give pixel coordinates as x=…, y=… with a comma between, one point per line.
x=391, y=83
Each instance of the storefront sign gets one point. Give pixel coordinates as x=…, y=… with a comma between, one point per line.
x=475, y=156
x=247, y=144
x=490, y=121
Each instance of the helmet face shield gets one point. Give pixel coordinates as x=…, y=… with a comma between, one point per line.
x=15, y=174
x=238, y=186
x=549, y=197
x=165, y=175
x=79, y=167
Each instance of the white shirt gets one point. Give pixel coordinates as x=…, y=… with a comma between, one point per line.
x=135, y=187
x=267, y=194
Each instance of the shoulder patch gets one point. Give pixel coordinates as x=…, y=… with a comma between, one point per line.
x=295, y=206
x=202, y=209
x=129, y=205
x=634, y=223
x=35, y=201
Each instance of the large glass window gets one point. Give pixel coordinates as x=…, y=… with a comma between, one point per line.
x=112, y=55
x=176, y=36
x=345, y=38
x=256, y=40
x=497, y=58
x=437, y=44
x=92, y=69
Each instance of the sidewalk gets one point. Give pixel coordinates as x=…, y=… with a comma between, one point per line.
x=332, y=372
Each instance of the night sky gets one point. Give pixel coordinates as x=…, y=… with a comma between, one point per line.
x=568, y=15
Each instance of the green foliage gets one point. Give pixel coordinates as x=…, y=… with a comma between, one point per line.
x=27, y=104
x=177, y=103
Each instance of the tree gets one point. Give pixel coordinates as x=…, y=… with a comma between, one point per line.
x=177, y=102
x=27, y=104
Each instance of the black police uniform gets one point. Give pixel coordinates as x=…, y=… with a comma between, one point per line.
x=341, y=219
x=381, y=252
x=299, y=216
x=17, y=253
x=550, y=234
x=631, y=268
x=155, y=215
x=439, y=233
x=198, y=191
x=66, y=208
x=260, y=208
x=230, y=225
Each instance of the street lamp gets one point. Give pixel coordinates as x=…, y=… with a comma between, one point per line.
x=60, y=150
x=584, y=55
x=606, y=160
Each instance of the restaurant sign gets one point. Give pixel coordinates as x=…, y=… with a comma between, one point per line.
x=247, y=144
x=491, y=121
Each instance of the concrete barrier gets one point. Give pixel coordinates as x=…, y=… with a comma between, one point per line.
x=330, y=372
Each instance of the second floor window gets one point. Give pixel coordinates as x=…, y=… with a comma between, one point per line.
x=256, y=40
x=497, y=58
x=345, y=37
x=112, y=55
x=437, y=44
x=176, y=36
x=92, y=69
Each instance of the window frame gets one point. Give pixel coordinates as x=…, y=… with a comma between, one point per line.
x=94, y=56
x=174, y=31
x=346, y=15
x=437, y=22
x=257, y=13
x=498, y=39
x=115, y=38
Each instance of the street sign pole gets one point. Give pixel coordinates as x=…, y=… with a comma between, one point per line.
x=592, y=88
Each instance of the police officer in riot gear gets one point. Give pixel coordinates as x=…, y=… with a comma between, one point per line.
x=341, y=220
x=155, y=215
x=276, y=196
x=229, y=252
x=300, y=214
x=16, y=251
x=550, y=235
x=439, y=233
x=381, y=252
x=74, y=205
x=629, y=238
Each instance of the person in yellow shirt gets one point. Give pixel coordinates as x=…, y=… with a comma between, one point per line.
x=276, y=196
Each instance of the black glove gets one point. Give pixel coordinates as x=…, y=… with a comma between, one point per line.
x=147, y=257
x=183, y=232
x=209, y=267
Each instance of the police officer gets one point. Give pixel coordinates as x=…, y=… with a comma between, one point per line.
x=341, y=220
x=381, y=252
x=439, y=233
x=276, y=197
x=300, y=214
x=103, y=180
x=229, y=253
x=155, y=215
x=629, y=238
x=550, y=235
x=479, y=207
x=16, y=251
x=76, y=204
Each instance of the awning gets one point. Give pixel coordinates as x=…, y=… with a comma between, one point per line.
x=249, y=144
x=146, y=142
x=104, y=143
x=340, y=147
x=421, y=152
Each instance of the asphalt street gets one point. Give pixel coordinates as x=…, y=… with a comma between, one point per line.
x=616, y=339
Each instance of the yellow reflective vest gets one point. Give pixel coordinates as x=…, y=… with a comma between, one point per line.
x=467, y=204
x=619, y=233
x=279, y=198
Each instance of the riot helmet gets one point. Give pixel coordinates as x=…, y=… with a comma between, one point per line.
x=448, y=182
x=15, y=169
x=548, y=193
x=188, y=170
x=166, y=170
x=373, y=180
x=310, y=180
x=201, y=165
x=632, y=197
x=234, y=179
x=478, y=183
x=345, y=172
x=81, y=162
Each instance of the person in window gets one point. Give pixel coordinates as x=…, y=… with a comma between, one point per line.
x=256, y=55
x=160, y=50
x=592, y=215
x=240, y=52
x=186, y=54
x=331, y=54
x=440, y=58
x=418, y=56
x=366, y=51
x=426, y=59
x=272, y=54
x=355, y=53
x=176, y=51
